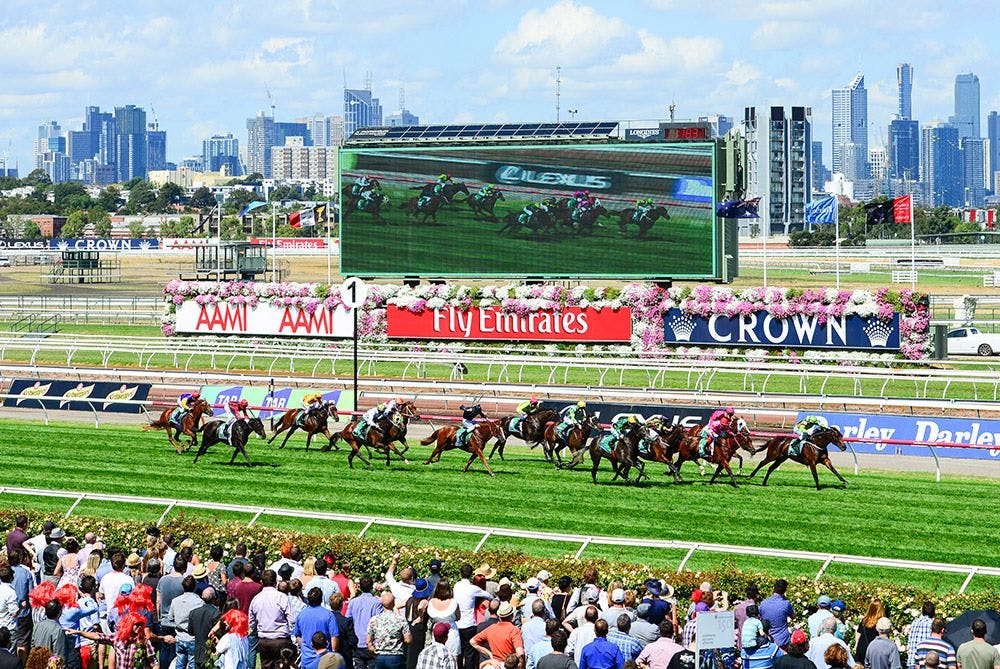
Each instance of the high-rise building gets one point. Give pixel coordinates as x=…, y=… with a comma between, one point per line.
x=219, y=150
x=878, y=158
x=79, y=146
x=131, y=150
x=820, y=175
x=260, y=139
x=47, y=134
x=993, y=136
x=904, y=84
x=850, y=129
x=156, y=148
x=904, y=149
x=101, y=126
x=720, y=124
x=941, y=167
x=325, y=130
x=966, y=117
x=973, y=171
x=295, y=160
x=780, y=165
x=285, y=129
x=56, y=165
x=402, y=117
x=360, y=110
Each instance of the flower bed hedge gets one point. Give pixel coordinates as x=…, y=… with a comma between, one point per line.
x=647, y=302
x=372, y=557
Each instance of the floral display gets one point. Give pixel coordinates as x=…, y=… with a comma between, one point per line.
x=648, y=303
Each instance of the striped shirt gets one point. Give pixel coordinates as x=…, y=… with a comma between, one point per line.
x=944, y=650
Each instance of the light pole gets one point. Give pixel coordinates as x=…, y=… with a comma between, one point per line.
x=572, y=113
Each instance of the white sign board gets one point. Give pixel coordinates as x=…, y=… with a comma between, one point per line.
x=713, y=630
x=353, y=292
x=224, y=318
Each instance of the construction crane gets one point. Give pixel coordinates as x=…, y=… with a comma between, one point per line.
x=270, y=99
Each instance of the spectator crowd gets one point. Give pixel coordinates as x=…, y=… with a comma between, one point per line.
x=75, y=603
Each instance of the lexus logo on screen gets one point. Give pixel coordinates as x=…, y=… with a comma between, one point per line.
x=515, y=174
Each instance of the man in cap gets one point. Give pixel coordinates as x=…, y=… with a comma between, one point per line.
x=838, y=606
x=503, y=637
x=825, y=639
x=584, y=634
x=51, y=554
x=815, y=620
x=533, y=585
x=882, y=651
x=601, y=653
x=36, y=544
x=591, y=597
x=616, y=609
x=436, y=655
x=642, y=630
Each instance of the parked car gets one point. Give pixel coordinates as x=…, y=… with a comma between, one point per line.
x=970, y=341
x=4, y=262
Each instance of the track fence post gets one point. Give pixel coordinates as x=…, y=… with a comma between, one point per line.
x=257, y=515
x=170, y=507
x=937, y=464
x=582, y=548
x=968, y=579
x=482, y=541
x=687, y=557
x=78, y=500
x=364, y=529
x=822, y=569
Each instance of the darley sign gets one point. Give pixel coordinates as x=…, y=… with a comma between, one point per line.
x=761, y=329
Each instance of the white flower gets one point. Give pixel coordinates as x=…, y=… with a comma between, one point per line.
x=435, y=303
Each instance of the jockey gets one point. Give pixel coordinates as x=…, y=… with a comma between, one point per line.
x=311, y=402
x=528, y=407
x=362, y=183
x=367, y=197
x=642, y=207
x=486, y=191
x=187, y=399
x=809, y=426
x=624, y=423
x=369, y=419
x=239, y=409
x=572, y=416
x=719, y=426
x=469, y=415
x=583, y=205
x=528, y=212
x=440, y=183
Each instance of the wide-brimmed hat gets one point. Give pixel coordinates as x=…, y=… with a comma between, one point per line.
x=505, y=610
x=543, y=575
x=654, y=587
x=56, y=533
x=133, y=560
x=486, y=570
x=422, y=588
x=200, y=571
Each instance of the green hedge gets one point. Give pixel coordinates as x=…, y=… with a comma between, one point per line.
x=372, y=556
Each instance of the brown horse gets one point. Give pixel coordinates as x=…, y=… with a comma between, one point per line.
x=190, y=424
x=657, y=444
x=475, y=445
x=239, y=434
x=531, y=430
x=812, y=452
x=685, y=443
x=575, y=439
x=745, y=442
x=619, y=451
x=626, y=217
x=381, y=437
x=315, y=423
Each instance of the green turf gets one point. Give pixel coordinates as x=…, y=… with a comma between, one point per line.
x=887, y=515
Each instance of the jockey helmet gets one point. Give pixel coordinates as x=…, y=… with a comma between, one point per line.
x=399, y=400
x=730, y=410
x=244, y=404
x=533, y=400
x=195, y=395
x=633, y=419
x=381, y=406
x=582, y=404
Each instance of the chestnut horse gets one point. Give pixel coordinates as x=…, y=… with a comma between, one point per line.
x=575, y=439
x=686, y=444
x=812, y=452
x=475, y=444
x=315, y=423
x=190, y=424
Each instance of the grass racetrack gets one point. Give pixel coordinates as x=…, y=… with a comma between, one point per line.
x=905, y=516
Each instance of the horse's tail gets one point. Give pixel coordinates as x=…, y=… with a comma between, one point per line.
x=430, y=439
x=155, y=425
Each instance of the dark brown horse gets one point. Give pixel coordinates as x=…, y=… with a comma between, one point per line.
x=381, y=437
x=627, y=217
x=475, y=444
x=619, y=452
x=531, y=430
x=315, y=423
x=423, y=207
x=483, y=205
x=189, y=427
x=686, y=445
x=811, y=453
x=576, y=438
x=349, y=198
x=239, y=435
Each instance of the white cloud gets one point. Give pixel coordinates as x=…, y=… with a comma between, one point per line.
x=658, y=53
x=742, y=74
x=566, y=33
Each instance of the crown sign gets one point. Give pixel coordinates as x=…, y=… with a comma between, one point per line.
x=62, y=246
x=682, y=327
x=878, y=332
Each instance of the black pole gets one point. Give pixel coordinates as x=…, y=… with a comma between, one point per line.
x=355, y=310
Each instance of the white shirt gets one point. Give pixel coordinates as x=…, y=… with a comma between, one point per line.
x=818, y=646
x=296, y=566
x=579, y=638
x=111, y=586
x=401, y=591
x=8, y=606
x=37, y=544
x=465, y=594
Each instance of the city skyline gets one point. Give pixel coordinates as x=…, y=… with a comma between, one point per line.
x=466, y=62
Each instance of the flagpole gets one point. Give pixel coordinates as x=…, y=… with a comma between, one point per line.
x=836, y=241
x=274, y=242
x=329, y=257
x=913, y=244
x=767, y=233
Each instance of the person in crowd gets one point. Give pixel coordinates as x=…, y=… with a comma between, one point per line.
x=777, y=610
x=291, y=554
x=402, y=589
x=51, y=553
x=132, y=642
x=932, y=660
x=838, y=607
x=657, y=655
x=601, y=653
x=542, y=647
x=315, y=619
x=583, y=634
x=825, y=639
x=644, y=631
x=616, y=609
x=201, y=621
x=348, y=639
x=67, y=569
x=179, y=618
x=434, y=573
x=740, y=610
x=322, y=581
x=387, y=634
x=49, y=633
x=866, y=633
x=436, y=655
x=465, y=595
x=442, y=608
x=533, y=627
x=343, y=579
x=233, y=647
x=977, y=653
x=8, y=658
x=619, y=635
x=18, y=535
x=752, y=633
x=167, y=590
x=685, y=659
x=798, y=646
x=240, y=553
x=269, y=615
x=533, y=587
x=415, y=613
x=9, y=605
x=920, y=631
x=502, y=638
x=822, y=613
x=936, y=644
x=561, y=597
x=837, y=657
x=360, y=610
x=761, y=655
x=558, y=658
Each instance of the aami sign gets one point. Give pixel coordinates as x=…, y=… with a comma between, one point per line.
x=761, y=329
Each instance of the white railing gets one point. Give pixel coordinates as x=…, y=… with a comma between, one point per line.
x=486, y=532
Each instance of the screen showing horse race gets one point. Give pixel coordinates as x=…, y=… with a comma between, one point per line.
x=598, y=210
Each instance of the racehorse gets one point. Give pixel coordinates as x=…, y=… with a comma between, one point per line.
x=619, y=452
x=381, y=437
x=539, y=221
x=585, y=224
x=315, y=423
x=811, y=453
x=531, y=430
x=239, y=435
x=483, y=206
x=374, y=207
x=426, y=206
x=448, y=191
x=627, y=217
x=687, y=448
x=475, y=444
x=350, y=199
x=575, y=439
x=189, y=424
x=658, y=446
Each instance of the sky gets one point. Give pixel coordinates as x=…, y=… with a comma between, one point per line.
x=204, y=67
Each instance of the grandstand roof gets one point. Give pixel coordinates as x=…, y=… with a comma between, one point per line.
x=485, y=132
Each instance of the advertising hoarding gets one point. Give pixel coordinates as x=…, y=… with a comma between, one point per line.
x=266, y=319
x=142, y=244
x=534, y=227
x=76, y=395
x=571, y=324
x=23, y=244
x=278, y=400
x=761, y=329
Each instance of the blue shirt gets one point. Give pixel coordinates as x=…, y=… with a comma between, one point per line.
x=778, y=610
x=361, y=609
x=24, y=581
x=537, y=652
x=601, y=654
x=762, y=657
x=314, y=619
x=658, y=610
x=629, y=646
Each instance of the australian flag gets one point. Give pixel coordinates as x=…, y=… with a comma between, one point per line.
x=738, y=208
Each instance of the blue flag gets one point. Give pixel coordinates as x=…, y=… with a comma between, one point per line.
x=823, y=211
x=256, y=204
x=738, y=208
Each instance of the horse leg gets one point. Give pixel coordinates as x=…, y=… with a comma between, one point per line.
x=309, y=436
x=482, y=456
x=812, y=468
x=330, y=442
x=829, y=465
x=740, y=458
x=732, y=479
x=288, y=434
x=596, y=460
x=757, y=468
x=170, y=438
x=770, y=470
x=281, y=428
x=435, y=453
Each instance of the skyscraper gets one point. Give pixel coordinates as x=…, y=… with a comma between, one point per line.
x=46, y=131
x=284, y=129
x=904, y=83
x=820, y=175
x=219, y=150
x=850, y=129
x=156, y=148
x=941, y=167
x=325, y=130
x=780, y=167
x=973, y=177
x=260, y=139
x=904, y=149
x=966, y=116
x=131, y=150
x=993, y=134
x=360, y=110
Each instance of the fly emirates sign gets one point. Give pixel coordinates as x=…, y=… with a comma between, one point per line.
x=224, y=318
x=493, y=323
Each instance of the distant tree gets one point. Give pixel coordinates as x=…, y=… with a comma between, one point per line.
x=284, y=192
x=110, y=198
x=37, y=177
x=62, y=191
x=285, y=230
x=311, y=194
x=31, y=230
x=7, y=183
x=135, y=181
x=136, y=230
x=232, y=228
x=101, y=222
x=74, y=225
x=202, y=199
x=140, y=197
x=239, y=198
